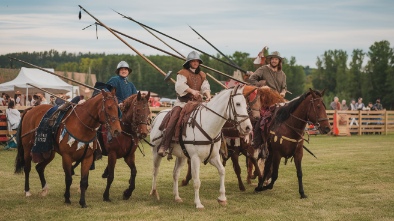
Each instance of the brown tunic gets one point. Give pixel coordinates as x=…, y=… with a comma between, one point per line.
x=194, y=81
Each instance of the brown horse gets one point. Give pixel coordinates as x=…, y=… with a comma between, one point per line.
x=285, y=138
x=72, y=140
x=262, y=97
x=135, y=116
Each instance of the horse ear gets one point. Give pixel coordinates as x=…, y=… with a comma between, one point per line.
x=312, y=92
x=139, y=96
x=148, y=95
x=248, y=90
x=322, y=93
x=113, y=91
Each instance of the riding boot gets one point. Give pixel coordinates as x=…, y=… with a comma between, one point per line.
x=168, y=132
x=257, y=135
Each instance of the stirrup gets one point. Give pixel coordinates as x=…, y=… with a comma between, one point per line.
x=162, y=151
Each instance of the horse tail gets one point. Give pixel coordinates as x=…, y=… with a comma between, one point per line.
x=20, y=158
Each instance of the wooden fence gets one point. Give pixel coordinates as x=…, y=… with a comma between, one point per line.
x=367, y=122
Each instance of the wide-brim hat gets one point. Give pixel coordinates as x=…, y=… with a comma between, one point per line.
x=18, y=92
x=274, y=54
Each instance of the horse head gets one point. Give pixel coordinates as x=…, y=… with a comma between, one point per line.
x=238, y=110
x=253, y=99
x=317, y=112
x=108, y=114
x=136, y=114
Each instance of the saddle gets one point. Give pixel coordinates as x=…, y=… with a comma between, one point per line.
x=184, y=117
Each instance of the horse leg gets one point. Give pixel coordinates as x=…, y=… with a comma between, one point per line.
x=133, y=173
x=40, y=168
x=177, y=170
x=297, y=162
x=188, y=175
x=195, y=169
x=110, y=174
x=27, y=169
x=274, y=168
x=237, y=169
x=105, y=173
x=67, y=167
x=216, y=162
x=268, y=163
x=155, y=172
x=85, y=167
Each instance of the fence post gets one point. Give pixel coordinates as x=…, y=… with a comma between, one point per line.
x=359, y=122
x=386, y=117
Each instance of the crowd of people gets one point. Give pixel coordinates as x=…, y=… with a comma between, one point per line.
x=359, y=105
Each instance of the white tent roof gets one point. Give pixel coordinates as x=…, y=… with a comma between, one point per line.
x=38, y=78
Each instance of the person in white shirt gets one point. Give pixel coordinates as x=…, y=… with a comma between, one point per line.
x=13, y=116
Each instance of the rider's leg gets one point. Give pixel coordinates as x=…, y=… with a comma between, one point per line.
x=168, y=132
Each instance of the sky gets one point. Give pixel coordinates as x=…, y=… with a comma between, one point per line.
x=304, y=29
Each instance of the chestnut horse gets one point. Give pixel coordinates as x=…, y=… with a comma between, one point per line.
x=134, y=122
x=285, y=136
x=262, y=97
x=73, y=140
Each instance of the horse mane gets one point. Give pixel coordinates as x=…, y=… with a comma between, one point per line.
x=269, y=97
x=284, y=112
x=128, y=101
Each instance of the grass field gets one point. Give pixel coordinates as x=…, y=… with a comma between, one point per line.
x=352, y=179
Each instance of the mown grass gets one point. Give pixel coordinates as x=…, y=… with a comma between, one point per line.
x=352, y=179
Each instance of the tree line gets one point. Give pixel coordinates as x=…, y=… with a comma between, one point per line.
x=366, y=74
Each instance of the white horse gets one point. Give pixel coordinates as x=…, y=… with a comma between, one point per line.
x=229, y=104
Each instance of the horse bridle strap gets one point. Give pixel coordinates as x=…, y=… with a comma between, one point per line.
x=284, y=138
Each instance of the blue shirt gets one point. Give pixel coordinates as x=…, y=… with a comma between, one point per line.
x=124, y=88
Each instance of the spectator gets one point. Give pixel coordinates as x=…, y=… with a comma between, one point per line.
x=353, y=105
x=155, y=102
x=360, y=105
x=52, y=100
x=2, y=98
x=344, y=105
x=369, y=106
x=36, y=100
x=29, y=100
x=335, y=105
x=13, y=116
x=17, y=98
x=377, y=106
x=42, y=98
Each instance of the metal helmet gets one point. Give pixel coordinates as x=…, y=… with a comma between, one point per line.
x=192, y=56
x=274, y=54
x=123, y=64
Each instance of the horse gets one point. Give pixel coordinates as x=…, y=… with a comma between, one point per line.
x=284, y=137
x=134, y=125
x=73, y=139
x=261, y=97
x=201, y=139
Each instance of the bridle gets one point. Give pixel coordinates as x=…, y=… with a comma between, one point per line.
x=251, y=103
x=137, y=119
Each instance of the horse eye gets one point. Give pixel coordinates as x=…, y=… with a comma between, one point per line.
x=238, y=104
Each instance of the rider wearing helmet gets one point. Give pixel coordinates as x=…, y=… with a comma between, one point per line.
x=191, y=84
x=124, y=88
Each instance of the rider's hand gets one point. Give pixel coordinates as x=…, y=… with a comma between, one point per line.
x=195, y=93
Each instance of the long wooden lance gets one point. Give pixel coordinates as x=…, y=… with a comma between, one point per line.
x=50, y=72
x=174, y=55
x=225, y=62
x=231, y=61
x=121, y=39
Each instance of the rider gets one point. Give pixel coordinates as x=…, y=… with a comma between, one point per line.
x=190, y=84
x=124, y=88
x=271, y=74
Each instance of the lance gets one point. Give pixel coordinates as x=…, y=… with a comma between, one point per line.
x=215, y=47
x=132, y=48
x=176, y=56
x=225, y=62
x=50, y=72
x=48, y=92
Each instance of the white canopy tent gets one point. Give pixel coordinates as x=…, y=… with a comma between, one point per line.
x=37, y=78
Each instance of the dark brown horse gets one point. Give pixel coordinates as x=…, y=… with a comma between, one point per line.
x=134, y=122
x=285, y=136
x=262, y=97
x=73, y=140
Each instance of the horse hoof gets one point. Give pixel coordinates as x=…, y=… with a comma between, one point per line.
x=259, y=189
x=222, y=202
x=67, y=201
x=184, y=183
x=106, y=200
x=27, y=193
x=179, y=200
x=155, y=193
x=200, y=207
x=303, y=196
x=126, y=197
x=84, y=206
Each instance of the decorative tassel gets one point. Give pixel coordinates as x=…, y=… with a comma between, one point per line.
x=80, y=14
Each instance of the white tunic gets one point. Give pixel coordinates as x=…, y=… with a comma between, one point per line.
x=181, y=87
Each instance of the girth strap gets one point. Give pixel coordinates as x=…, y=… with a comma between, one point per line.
x=210, y=140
